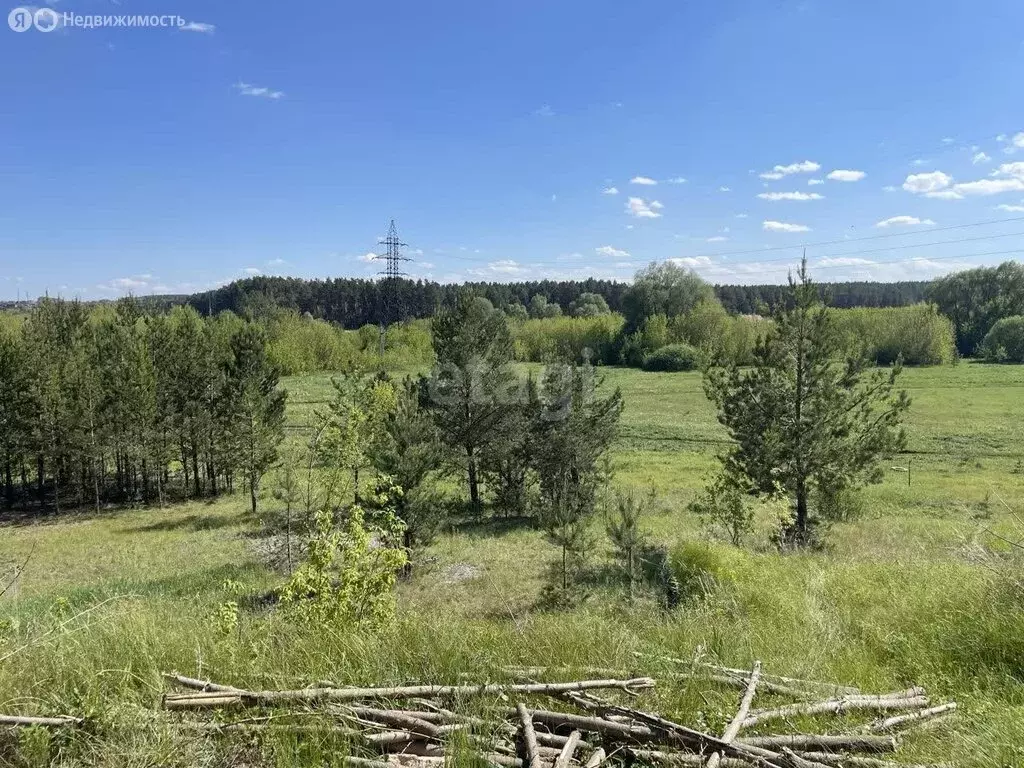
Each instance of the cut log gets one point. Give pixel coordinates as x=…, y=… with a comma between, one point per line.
x=767, y=680
x=223, y=700
x=856, y=761
x=531, y=750
x=835, y=707
x=409, y=723
x=19, y=721
x=813, y=742
x=898, y=721
x=199, y=685
x=569, y=750
x=741, y=714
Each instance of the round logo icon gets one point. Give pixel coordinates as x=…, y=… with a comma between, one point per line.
x=46, y=19
x=20, y=19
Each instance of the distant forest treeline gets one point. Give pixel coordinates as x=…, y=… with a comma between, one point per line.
x=354, y=302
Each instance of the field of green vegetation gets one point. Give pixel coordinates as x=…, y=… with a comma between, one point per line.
x=918, y=589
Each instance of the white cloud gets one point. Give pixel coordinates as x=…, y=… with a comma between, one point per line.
x=980, y=157
x=989, y=186
x=717, y=239
x=610, y=191
x=691, y=261
x=841, y=175
x=639, y=208
x=1011, y=169
x=130, y=283
x=948, y=140
x=807, y=166
x=247, y=89
x=894, y=221
x=656, y=204
x=890, y=188
x=199, y=26
x=924, y=183
x=741, y=215
x=844, y=261
x=544, y=111
x=790, y=196
x=611, y=252
x=505, y=267
x=252, y=271
x=1018, y=140
x=644, y=180
x=368, y=257
x=814, y=182
x=781, y=226
x=1010, y=208
x=725, y=189
x=276, y=263
x=677, y=180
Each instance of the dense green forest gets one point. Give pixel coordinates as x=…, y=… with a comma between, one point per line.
x=353, y=302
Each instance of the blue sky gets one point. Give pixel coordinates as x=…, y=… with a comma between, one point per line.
x=274, y=138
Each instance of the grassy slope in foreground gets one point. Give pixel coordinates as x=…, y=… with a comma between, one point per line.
x=905, y=594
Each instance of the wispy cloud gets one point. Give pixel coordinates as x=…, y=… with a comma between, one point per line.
x=806, y=166
x=199, y=26
x=643, y=180
x=641, y=209
x=544, y=111
x=247, y=89
x=814, y=182
x=677, y=180
x=717, y=239
x=844, y=261
x=781, y=226
x=1009, y=177
x=610, y=191
x=368, y=258
x=843, y=175
x=725, y=189
x=980, y=157
x=612, y=252
x=927, y=183
x=1010, y=208
x=790, y=196
x=691, y=261
x=904, y=221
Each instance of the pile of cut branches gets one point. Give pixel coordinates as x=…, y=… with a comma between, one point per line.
x=422, y=725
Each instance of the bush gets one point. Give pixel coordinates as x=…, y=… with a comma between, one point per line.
x=564, y=339
x=672, y=357
x=1005, y=342
x=700, y=568
x=917, y=333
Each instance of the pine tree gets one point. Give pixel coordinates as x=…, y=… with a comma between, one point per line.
x=473, y=383
x=806, y=416
x=258, y=403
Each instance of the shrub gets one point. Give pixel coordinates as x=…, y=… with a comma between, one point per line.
x=700, y=568
x=722, y=506
x=1005, y=342
x=564, y=339
x=917, y=333
x=672, y=357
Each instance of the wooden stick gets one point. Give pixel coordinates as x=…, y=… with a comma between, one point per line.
x=766, y=679
x=314, y=695
x=531, y=750
x=912, y=718
x=741, y=714
x=569, y=750
x=407, y=722
x=663, y=731
x=811, y=741
x=855, y=761
x=835, y=707
x=20, y=721
x=683, y=758
x=596, y=758
x=200, y=685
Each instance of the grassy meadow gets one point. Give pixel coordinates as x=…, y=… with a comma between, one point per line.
x=916, y=590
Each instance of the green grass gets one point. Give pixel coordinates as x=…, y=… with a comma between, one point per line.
x=913, y=592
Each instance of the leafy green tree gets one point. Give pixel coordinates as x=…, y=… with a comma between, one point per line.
x=976, y=298
x=258, y=403
x=663, y=289
x=15, y=408
x=541, y=308
x=803, y=416
x=588, y=305
x=1004, y=343
x=517, y=312
x=473, y=383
